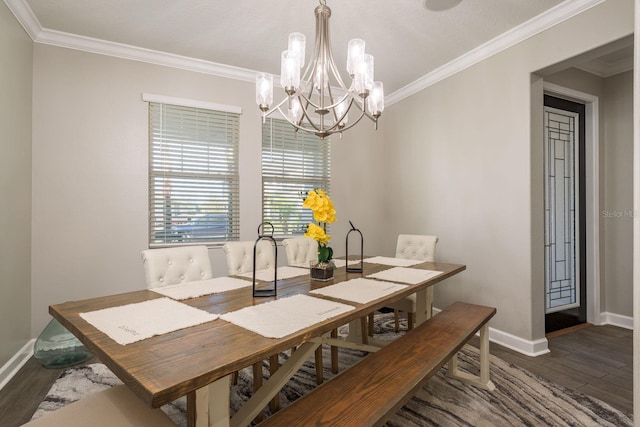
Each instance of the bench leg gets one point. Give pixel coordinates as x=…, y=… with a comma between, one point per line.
x=483, y=380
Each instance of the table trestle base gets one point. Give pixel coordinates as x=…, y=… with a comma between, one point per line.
x=272, y=387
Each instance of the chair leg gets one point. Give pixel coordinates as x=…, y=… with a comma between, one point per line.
x=363, y=330
x=334, y=354
x=396, y=320
x=319, y=372
x=370, y=324
x=274, y=364
x=410, y=321
x=257, y=383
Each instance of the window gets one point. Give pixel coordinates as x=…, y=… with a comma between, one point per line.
x=292, y=164
x=193, y=174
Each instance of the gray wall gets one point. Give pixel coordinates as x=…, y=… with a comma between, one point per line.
x=15, y=185
x=618, y=194
x=467, y=170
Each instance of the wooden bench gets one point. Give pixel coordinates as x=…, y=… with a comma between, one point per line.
x=375, y=388
x=115, y=406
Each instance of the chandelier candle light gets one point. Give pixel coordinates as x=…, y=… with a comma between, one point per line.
x=319, y=102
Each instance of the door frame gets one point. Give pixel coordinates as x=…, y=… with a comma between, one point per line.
x=592, y=191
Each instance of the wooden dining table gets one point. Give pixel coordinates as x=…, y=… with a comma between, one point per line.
x=200, y=359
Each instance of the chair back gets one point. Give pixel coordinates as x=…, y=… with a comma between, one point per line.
x=414, y=246
x=170, y=266
x=240, y=256
x=300, y=251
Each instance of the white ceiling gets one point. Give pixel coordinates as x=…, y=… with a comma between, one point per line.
x=410, y=39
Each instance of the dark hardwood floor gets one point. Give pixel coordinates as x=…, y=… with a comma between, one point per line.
x=596, y=360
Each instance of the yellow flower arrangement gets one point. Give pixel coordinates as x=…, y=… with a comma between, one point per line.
x=323, y=212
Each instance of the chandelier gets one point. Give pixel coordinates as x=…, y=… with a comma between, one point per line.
x=318, y=101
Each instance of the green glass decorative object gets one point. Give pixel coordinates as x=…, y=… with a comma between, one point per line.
x=56, y=347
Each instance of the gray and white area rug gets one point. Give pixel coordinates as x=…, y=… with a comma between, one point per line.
x=520, y=398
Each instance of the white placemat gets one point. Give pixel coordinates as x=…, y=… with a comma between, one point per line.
x=276, y=319
x=134, y=322
x=286, y=272
x=405, y=275
x=199, y=288
x=341, y=263
x=395, y=262
x=359, y=290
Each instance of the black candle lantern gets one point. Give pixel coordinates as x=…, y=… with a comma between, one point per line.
x=355, y=269
x=266, y=291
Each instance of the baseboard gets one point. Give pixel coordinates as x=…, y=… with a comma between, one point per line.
x=616, y=320
x=16, y=362
x=505, y=339
x=526, y=347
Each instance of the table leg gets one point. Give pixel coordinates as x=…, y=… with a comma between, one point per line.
x=424, y=302
x=212, y=404
x=355, y=334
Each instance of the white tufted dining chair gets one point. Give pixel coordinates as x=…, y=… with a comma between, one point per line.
x=240, y=256
x=171, y=266
x=418, y=247
x=300, y=251
x=240, y=260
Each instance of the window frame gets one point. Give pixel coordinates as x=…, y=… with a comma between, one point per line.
x=195, y=165
x=307, y=167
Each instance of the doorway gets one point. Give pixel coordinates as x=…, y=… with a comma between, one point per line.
x=565, y=209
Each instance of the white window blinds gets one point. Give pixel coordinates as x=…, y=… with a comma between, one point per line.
x=292, y=164
x=193, y=175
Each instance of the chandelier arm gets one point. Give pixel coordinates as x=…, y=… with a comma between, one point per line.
x=275, y=108
x=313, y=130
x=327, y=132
x=355, y=122
x=304, y=111
x=332, y=64
x=363, y=107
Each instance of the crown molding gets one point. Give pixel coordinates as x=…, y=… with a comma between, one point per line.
x=545, y=20
x=25, y=16
x=119, y=50
x=30, y=23
x=551, y=17
x=604, y=70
